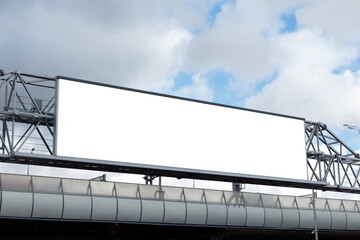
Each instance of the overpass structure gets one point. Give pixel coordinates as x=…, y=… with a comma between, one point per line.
x=28, y=136
x=35, y=197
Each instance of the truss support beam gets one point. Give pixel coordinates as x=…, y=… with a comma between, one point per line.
x=152, y=171
x=27, y=121
x=329, y=159
x=21, y=112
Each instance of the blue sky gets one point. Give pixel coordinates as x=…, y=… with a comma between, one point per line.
x=285, y=57
x=289, y=21
x=220, y=80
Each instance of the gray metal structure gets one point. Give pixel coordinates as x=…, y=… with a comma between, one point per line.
x=27, y=115
x=331, y=160
x=49, y=198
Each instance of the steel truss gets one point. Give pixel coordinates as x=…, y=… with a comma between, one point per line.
x=27, y=118
x=329, y=159
x=26, y=113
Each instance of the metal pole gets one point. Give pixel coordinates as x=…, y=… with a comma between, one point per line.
x=315, y=217
x=4, y=119
x=13, y=118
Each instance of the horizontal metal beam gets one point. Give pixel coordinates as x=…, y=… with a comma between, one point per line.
x=37, y=76
x=23, y=113
x=124, y=167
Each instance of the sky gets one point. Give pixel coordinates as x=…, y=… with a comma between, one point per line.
x=299, y=57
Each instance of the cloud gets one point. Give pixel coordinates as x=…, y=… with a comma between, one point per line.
x=334, y=18
x=246, y=41
x=306, y=84
x=130, y=43
x=145, y=44
x=198, y=89
x=239, y=42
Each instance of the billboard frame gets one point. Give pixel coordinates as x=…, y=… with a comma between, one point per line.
x=59, y=77
x=164, y=171
x=300, y=150
x=331, y=179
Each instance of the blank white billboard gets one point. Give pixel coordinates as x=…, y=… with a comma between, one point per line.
x=108, y=123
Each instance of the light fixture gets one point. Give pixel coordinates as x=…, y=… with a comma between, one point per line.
x=352, y=127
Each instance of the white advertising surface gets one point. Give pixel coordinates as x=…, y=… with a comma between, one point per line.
x=107, y=123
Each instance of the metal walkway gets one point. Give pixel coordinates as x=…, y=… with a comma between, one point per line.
x=34, y=197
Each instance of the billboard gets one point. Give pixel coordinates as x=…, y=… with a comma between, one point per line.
x=118, y=124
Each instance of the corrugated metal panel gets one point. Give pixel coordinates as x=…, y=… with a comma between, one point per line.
x=77, y=207
x=16, y=204
x=236, y=216
x=104, y=208
x=129, y=210
x=196, y=206
x=175, y=206
x=47, y=205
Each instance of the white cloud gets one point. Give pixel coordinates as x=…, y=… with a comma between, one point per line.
x=306, y=85
x=337, y=19
x=144, y=44
x=130, y=43
x=198, y=89
x=245, y=41
x=239, y=42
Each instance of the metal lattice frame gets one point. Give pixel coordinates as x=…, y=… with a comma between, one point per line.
x=329, y=159
x=27, y=121
x=26, y=113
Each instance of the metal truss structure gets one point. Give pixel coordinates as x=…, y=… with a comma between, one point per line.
x=26, y=113
x=329, y=159
x=27, y=118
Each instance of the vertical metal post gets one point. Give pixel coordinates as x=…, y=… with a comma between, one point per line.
x=117, y=202
x=56, y=114
x=3, y=136
x=149, y=179
x=315, y=232
x=237, y=187
x=13, y=117
x=4, y=121
x=338, y=171
x=1, y=192
x=33, y=196
x=92, y=200
x=318, y=149
x=63, y=198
